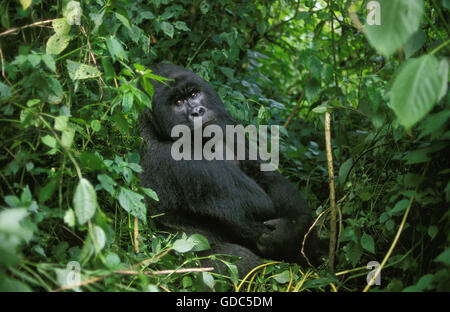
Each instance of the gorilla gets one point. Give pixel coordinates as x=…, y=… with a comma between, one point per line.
x=241, y=210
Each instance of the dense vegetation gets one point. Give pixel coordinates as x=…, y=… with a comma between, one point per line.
x=69, y=142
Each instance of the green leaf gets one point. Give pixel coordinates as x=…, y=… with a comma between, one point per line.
x=167, y=28
x=133, y=203
x=399, y=20
x=49, y=62
x=107, y=183
x=10, y=223
x=400, y=206
x=124, y=20
x=200, y=242
x=99, y=238
x=313, y=90
x=344, y=169
x=432, y=231
x=444, y=257
x=73, y=13
x=84, y=201
x=420, y=84
x=60, y=26
x=315, y=67
x=25, y=3
x=61, y=122
x=67, y=136
x=78, y=71
x=96, y=125
x=54, y=91
x=181, y=26
x=367, y=243
x=34, y=59
x=433, y=123
x=57, y=43
x=204, y=7
x=414, y=43
x=32, y=102
x=115, y=49
x=47, y=191
x=150, y=193
x=5, y=91
x=183, y=245
x=49, y=141
x=282, y=277
x=208, y=279
x=112, y=260
x=69, y=218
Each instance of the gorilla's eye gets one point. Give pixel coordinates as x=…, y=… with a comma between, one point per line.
x=179, y=102
x=194, y=94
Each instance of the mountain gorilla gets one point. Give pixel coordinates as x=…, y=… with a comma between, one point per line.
x=242, y=210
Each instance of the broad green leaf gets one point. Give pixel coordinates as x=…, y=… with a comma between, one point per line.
x=78, y=71
x=315, y=67
x=167, y=28
x=84, y=201
x=208, y=279
x=133, y=203
x=200, y=242
x=115, y=49
x=34, y=59
x=96, y=125
x=67, y=136
x=433, y=123
x=414, y=43
x=204, y=7
x=420, y=84
x=432, y=231
x=400, y=206
x=282, y=277
x=367, y=243
x=313, y=90
x=100, y=238
x=150, y=193
x=5, y=91
x=112, y=260
x=444, y=257
x=399, y=20
x=60, y=26
x=344, y=169
x=181, y=26
x=49, y=141
x=124, y=20
x=417, y=157
x=69, y=218
x=73, y=13
x=49, y=62
x=32, y=102
x=183, y=245
x=57, y=43
x=107, y=183
x=54, y=91
x=25, y=3
x=10, y=223
x=61, y=123
x=321, y=109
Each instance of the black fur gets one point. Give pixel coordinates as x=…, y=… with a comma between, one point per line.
x=240, y=209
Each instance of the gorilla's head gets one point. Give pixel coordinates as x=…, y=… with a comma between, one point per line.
x=182, y=99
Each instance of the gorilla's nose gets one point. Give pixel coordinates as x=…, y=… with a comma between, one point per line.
x=198, y=111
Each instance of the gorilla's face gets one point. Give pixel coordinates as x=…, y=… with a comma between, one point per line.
x=183, y=100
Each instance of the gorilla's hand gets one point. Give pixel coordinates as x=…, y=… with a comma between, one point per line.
x=281, y=236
